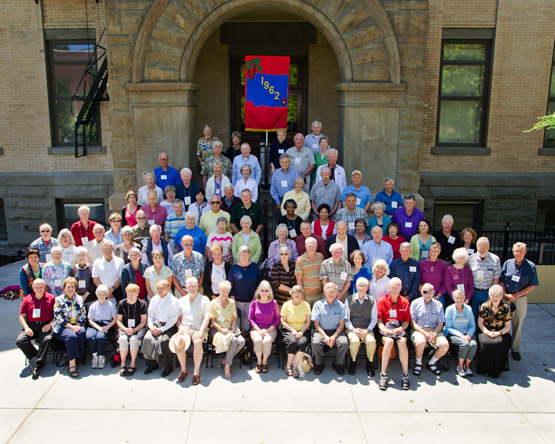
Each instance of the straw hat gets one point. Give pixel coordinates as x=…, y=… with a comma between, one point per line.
x=179, y=343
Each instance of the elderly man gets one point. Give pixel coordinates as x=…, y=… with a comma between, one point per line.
x=35, y=316
x=307, y=271
x=361, y=313
x=406, y=269
x=192, y=326
x=337, y=270
x=337, y=171
x=306, y=232
x=156, y=242
x=247, y=208
x=174, y=223
x=209, y=220
x=302, y=159
x=329, y=316
x=55, y=272
x=313, y=140
x=229, y=200
x=165, y=174
x=376, y=248
x=155, y=213
x=163, y=312
x=186, y=189
x=486, y=269
x=95, y=247
x=44, y=243
x=408, y=217
x=208, y=167
x=82, y=230
x=246, y=158
x=391, y=198
x=141, y=231
x=282, y=179
x=518, y=279
x=448, y=238
x=325, y=191
x=361, y=192
x=350, y=213
x=107, y=270
x=347, y=241
x=393, y=321
x=186, y=264
x=427, y=323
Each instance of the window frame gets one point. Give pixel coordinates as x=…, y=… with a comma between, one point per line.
x=550, y=102
x=60, y=203
x=477, y=217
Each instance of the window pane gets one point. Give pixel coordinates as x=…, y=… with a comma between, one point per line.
x=68, y=78
x=550, y=133
x=66, y=121
x=464, y=214
x=79, y=53
x=459, y=122
x=3, y=226
x=552, y=88
x=293, y=74
x=465, y=81
x=545, y=218
x=464, y=52
x=292, y=112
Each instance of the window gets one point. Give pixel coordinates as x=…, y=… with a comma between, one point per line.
x=3, y=226
x=467, y=213
x=66, y=211
x=68, y=55
x=545, y=216
x=549, y=139
x=463, y=92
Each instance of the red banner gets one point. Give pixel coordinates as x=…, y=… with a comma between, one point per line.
x=266, y=93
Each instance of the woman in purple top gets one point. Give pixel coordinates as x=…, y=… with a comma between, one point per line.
x=459, y=276
x=264, y=319
x=432, y=271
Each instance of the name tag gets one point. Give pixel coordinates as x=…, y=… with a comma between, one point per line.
x=84, y=240
x=292, y=232
x=393, y=313
x=187, y=200
x=412, y=269
x=351, y=225
x=281, y=151
x=480, y=275
x=297, y=160
x=164, y=177
x=58, y=282
x=82, y=283
x=151, y=221
x=343, y=276
x=314, y=145
x=425, y=254
x=284, y=184
x=408, y=224
x=74, y=314
x=48, y=257
x=36, y=313
x=460, y=287
x=131, y=323
x=470, y=251
x=451, y=240
x=515, y=278
x=188, y=273
x=221, y=318
x=394, y=204
x=358, y=201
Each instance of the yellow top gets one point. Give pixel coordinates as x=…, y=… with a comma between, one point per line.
x=295, y=314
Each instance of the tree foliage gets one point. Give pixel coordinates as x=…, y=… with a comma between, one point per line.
x=547, y=122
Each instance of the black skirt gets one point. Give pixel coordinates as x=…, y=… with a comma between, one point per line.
x=493, y=355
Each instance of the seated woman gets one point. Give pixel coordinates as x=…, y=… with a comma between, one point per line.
x=468, y=238
x=82, y=272
x=432, y=271
x=216, y=184
x=122, y=250
x=295, y=321
x=247, y=237
x=394, y=239
x=379, y=285
x=460, y=329
x=156, y=273
x=198, y=235
x=150, y=185
x=246, y=182
x=29, y=272
x=168, y=202
x=281, y=241
x=225, y=336
x=264, y=320
x=215, y=271
x=420, y=242
x=129, y=211
x=494, y=322
x=133, y=273
x=66, y=241
x=102, y=318
x=300, y=197
x=358, y=259
x=70, y=317
x=323, y=226
x=360, y=232
x=35, y=316
x=199, y=206
x=114, y=233
x=291, y=220
x=220, y=237
x=459, y=277
x=131, y=322
x=379, y=219
x=283, y=276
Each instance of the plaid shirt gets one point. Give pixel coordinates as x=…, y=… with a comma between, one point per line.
x=338, y=274
x=427, y=315
x=484, y=271
x=350, y=218
x=181, y=265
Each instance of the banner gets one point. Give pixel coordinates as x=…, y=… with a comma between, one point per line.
x=266, y=93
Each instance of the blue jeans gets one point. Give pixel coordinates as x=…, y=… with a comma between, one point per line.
x=75, y=342
x=478, y=298
x=97, y=340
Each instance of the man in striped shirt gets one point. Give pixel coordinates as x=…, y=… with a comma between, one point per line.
x=175, y=223
x=307, y=271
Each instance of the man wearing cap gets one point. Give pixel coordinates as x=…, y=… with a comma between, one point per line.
x=165, y=174
x=337, y=171
x=350, y=213
x=362, y=193
x=192, y=325
x=391, y=198
x=302, y=159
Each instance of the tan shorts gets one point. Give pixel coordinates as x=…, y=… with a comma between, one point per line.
x=415, y=336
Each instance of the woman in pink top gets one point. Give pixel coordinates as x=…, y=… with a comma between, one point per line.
x=459, y=277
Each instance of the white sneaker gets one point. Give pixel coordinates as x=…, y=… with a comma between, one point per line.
x=461, y=372
x=101, y=361
x=468, y=372
x=94, y=361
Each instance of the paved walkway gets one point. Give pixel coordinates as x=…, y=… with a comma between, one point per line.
x=102, y=407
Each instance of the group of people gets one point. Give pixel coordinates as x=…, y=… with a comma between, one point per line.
x=185, y=268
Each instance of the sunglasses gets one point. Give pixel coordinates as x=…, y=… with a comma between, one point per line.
x=427, y=291
x=141, y=218
x=45, y=231
x=216, y=203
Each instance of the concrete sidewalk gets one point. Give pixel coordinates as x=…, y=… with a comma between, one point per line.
x=102, y=407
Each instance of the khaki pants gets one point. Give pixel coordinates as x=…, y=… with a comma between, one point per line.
x=517, y=320
x=263, y=344
x=354, y=345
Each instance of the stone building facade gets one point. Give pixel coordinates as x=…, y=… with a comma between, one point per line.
x=371, y=71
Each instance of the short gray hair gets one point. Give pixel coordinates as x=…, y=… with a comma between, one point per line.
x=447, y=216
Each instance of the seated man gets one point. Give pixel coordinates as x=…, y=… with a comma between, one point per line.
x=325, y=191
x=156, y=242
x=306, y=232
x=337, y=270
x=329, y=316
x=350, y=213
x=44, y=243
x=141, y=231
x=192, y=325
x=427, y=323
x=163, y=311
x=337, y=171
x=361, y=318
x=361, y=192
x=186, y=264
x=406, y=268
x=282, y=180
x=391, y=198
x=347, y=241
x=107, y=270
x=377, y=248
x=95, y=246
x=393, y=321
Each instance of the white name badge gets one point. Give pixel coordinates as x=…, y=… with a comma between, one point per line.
x=188, y=273
x=284, y=184
x=164, y=177
x=351, y=225
x=281, y=151
x=292, y=232
x=480, y=275
x=48, y=257
x=343, y=276
x=151, y=221
x=82, y=283
x=58, y=282
x=36, y=313
x=408, y=224
x=131, y=323
x=425, y=254
x=187, y=200
x=451, y=240
x=460, y=287
x=73, y=314
x=84, y=240
x=392, y=313
x=358, y=201
x=297, y=160
x=515, y=278
x=470, y=251
x=221, y=318
x=412, y=269
x=394, y=204
x=314, y=145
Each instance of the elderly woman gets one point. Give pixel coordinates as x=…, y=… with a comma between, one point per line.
x=167, y=203
x=199, y=206
x=494, y=322
x=323, y=226
x=277, y=148
x=379, y=219
x=295, y=321
x=360, y=232
x=67, y=243
x=102, y=318
x=205, y=144
x=156, y=273
x=264, y=320
x=114, y=233
x=82, y=272
x=432, y=271
x=300, y=197
x=133, y=273
x=216, y=184
x=291, y=220
x=358, y=259
x=131, y=322
x=129, y=211
x=215, y=271
x=247, y=237
x=150, y=185
x=246, y=182
x=220, y=237
x=468, y=238
x=460, y=329
x=29, y=272
x=394, y=239
x=55, y=272
x=190, y=229
x=421, y=241
x=70, y=317
x=122, y=250
x=321, y=157
x=379, y=285
x=244, y=277
x=235, y=149
x=283, y=275
x=459, y=276
x=155, y=214
x=281, y=241
x=225, y=336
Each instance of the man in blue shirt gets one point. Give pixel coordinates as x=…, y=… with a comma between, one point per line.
x=313, y=140
x=246, y=158
x=361, y=192
x=377, y=249
x=166, y=175
x=391, y=198
x=186, y=189
x=406, y=269
x=282, y=179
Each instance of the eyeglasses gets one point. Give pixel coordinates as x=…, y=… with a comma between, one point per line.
x=216, y=203
x=140, y=218
x=427, y=291
x=45, y=231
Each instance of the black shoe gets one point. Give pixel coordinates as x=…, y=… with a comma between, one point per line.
x=150, y=369
x=318, y=369
x=370, y=369
x=352, y=368
x=35, y=371
x=39, y=364
x=166, y=372
x=516, y=355
x=340, y=369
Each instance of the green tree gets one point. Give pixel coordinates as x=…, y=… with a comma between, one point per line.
x=547, y=122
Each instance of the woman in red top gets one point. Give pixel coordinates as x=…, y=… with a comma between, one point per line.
x=394, y=239
x=323, y=226
x=129, y=211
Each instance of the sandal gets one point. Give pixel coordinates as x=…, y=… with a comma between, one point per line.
x=227, y=374
x=123, y=371
x=72, y=371
x=264, y=368
x=258, y=368
x=434, y=369
x=295, y=372
x=131, y=370
x=417, y=369
x=289, y=371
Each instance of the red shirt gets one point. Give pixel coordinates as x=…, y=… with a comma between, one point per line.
x=388, y=311
x=320, y=248
x=395, y=245
x=142, y=285
x=45, y=304
x=79, y=231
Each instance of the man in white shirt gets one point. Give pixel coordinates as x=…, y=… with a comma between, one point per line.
x=95, y=246
x=107, y=270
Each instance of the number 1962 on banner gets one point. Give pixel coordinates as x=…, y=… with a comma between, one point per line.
x=268, y=90
x=269, y=87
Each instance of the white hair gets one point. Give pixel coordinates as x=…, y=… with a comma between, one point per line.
x=447, y=217
x=186, y=170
